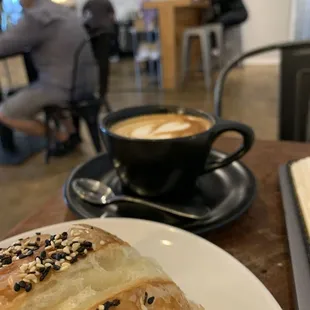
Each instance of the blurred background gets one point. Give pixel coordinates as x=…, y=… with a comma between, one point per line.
x=139, y=74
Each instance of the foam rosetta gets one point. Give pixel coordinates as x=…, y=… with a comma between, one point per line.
x=161, y=126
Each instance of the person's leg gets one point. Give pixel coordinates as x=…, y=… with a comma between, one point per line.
x=19, y=110
x=101, y=46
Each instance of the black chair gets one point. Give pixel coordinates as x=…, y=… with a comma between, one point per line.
x=294, y=88
x=86, y=106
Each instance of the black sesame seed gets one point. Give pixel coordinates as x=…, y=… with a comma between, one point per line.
x=29, y=253
x=17, y=244
x=56, y=267
x=145, y=298
x=6, y=261
x=22, y=284
x=151, y=300
x=47, y=242
x=38, y=233
x=28, y=287
x=87, y=244
x=45, y=273
x=16, y=287
x=52, y=238
x=41, y=269
x=81, y=249
x=54, y=256
x=43, y=254
x=116, y=302
x=20, y=239
x=21, y=256
x=32, y=244
x=38, y=239
x=18, y=252
x=74, y=260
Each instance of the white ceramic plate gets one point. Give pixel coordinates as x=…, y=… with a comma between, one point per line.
x=206, y=273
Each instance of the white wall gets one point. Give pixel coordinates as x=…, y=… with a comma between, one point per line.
x=269, y=22
x=122, y=7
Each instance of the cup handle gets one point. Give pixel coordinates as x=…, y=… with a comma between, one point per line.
x=221, y=127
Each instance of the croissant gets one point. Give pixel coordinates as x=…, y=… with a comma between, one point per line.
x=85, y=268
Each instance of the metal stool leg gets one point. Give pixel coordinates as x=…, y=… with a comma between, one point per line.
x=186, y=48
x=206, y=58
x=218, y=31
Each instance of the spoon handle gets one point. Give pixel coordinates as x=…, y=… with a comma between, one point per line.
x=152, y=205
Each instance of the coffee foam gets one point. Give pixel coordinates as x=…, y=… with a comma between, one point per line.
x=161, y=126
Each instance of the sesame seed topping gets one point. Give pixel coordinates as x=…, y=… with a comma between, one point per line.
x=58, y=255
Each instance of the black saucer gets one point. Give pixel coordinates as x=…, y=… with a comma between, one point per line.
x=227, y=192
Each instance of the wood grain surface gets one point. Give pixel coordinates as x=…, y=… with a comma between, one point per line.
x=258, y=239
x=174, y=17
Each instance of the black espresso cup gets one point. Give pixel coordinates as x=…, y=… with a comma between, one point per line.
x=167, y=167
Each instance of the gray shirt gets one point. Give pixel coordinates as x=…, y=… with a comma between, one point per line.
x=52, y=33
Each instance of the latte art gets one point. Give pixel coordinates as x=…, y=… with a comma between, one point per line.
x=161, y=126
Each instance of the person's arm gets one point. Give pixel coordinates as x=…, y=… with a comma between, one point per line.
x=21, y=37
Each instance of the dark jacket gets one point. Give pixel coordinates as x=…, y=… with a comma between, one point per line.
x=99, y=16
x=229, y=12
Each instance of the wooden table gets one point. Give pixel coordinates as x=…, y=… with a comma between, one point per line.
x=174, y=17
x=258, y=239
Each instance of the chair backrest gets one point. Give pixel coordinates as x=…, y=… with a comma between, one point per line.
x=80, y=65
x=294, y=87
x=101, y=66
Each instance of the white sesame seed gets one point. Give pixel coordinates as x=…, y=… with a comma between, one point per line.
x=102, y=242
x=32, y=269
x=101, y=307
x=48, y=247
x=37, y=273
x=66, y=250
x=31, y=264
x=85, y=251
x=38, y=260
x=23, y=267
x=48, y=265
x=52, y=252
x=58, y=263
x=62, y=261
x=59, y=241
x=39, y=266
x=26, y=280
x=64, y=243
x=32, y=278
x=68, y=258
x=57, y=237
x=48, y=261
x=94, y=247
x=65, y=264
x=17, y=248
x=75, y=246
x=53, y=244
x=73, y=254
x=23, y=275
x=76, y=239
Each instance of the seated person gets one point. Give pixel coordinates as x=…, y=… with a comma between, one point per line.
x=52, y=33
x=228, y=12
